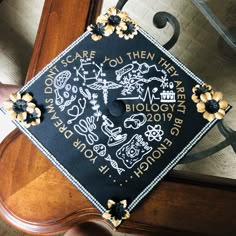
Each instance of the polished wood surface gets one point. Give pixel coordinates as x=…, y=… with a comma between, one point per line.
x=36, y=198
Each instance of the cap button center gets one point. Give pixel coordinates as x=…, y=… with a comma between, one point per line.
x=117, y=108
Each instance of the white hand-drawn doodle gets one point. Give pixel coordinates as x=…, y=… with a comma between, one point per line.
x=148, y=96
x=95, y=106
x=114, y=134
x=100, y=149
x=76, y=111
x=93, y=100
x=86, y=93
x=62, y=95
x=61, y=79
x=134, y=81
x=59, y=83
x=114, y=164
x=86, y=128
x=58, y=98
x=124, y=70
x=132, y=75
x=168, y=96
x=154, y=133
x=104, y=86
x=66, y=94
x=88, y=70
x=74, y=89
x=133, y=151
x=68, y=102
x=68, y=87
x=135, y=121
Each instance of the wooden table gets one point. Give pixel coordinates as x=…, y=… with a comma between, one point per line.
x=36, y=198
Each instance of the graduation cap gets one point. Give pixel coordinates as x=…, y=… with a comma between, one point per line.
x=115, y=112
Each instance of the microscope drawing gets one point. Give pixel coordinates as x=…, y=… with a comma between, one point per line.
x=114, y=134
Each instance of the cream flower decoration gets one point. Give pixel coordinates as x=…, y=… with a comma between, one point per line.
x=33, y=118
x=212, y=105
x=112, y=19
x=200, y=89
x=22, y=108
x=116, y=212
x=19, y=105
x=98, y=31
x=130, y=31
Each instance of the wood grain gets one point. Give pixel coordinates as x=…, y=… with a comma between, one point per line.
x=36, y=198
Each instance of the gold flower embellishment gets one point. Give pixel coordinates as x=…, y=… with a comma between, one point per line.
x=113, y=20
x=212, y=105
x=98, y=31
x=198, y=90
x=22, y=108
x=116, y=212
x=129, y=31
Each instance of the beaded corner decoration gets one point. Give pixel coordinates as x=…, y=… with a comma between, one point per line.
x=115, y=113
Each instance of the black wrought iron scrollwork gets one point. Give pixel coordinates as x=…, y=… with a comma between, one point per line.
x=160, y=20
x=121, y=4
x=230, y=140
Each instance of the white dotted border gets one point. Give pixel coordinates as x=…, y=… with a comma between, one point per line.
x=189, y=145
x=159, y=46
x=171, y=165
x=74, y=181
x=38, y=144
x=54, y=61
